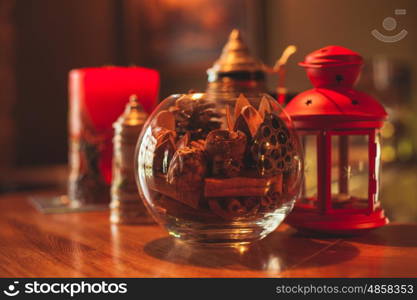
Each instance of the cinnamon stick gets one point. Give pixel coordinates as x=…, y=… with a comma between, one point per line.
x=160, y=185
x=199, y=144
x=236, y=187
x=234, y=208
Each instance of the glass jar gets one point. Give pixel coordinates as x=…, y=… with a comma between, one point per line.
x=219, y=171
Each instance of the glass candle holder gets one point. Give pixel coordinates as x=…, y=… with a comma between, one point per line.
x=219, y=171
x=97, y=97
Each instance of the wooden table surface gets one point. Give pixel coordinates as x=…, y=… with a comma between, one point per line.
x=87, y=245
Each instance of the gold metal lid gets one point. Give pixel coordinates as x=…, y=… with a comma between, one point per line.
x=236, y=57
x=134, y=115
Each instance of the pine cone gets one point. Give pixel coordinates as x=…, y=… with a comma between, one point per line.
x=196, y=116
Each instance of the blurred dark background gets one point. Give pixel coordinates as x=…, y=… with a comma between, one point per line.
x=41, y=40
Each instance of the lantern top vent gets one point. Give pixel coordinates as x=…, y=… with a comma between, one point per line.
x=320, y=102
x=331, y=56
x=333, y=66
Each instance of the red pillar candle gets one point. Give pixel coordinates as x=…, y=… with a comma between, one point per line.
x=97, y=97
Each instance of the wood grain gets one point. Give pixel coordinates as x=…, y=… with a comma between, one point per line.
x=86, y=244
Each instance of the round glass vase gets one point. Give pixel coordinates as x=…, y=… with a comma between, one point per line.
x=220, y=171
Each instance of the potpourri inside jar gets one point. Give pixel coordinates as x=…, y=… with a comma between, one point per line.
x=221, y=171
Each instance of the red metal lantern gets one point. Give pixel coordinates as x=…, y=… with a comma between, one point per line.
x=339, y=128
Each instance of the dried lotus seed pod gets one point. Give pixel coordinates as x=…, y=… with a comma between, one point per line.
x=272, y=149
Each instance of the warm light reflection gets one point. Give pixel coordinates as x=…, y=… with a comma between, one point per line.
x=388, y=153
x=405, y=149
x=274, y=264
x=387, y=130
x=116, y=251
x=242, y=248
x=197, y=96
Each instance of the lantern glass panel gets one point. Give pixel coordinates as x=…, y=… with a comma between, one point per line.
x=377, y=165
x=310, y=170
x=350, y=171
